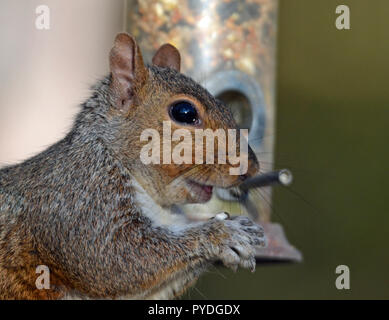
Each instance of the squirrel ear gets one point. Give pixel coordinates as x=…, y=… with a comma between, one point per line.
x=127, y=68
x=167, y=56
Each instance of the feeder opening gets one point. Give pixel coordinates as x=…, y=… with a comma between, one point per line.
x=240, y=106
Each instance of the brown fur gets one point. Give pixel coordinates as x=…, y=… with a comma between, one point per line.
x=72, y=206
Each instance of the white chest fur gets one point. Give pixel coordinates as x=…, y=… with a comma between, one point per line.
x=158, y=215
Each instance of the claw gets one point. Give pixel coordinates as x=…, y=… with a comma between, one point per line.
x=252, y=264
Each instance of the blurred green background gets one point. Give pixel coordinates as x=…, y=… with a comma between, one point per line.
x=332, y=131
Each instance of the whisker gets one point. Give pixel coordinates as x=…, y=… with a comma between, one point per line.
x=272, y=207
x=217, y=271
x=298, y=195
x=200, y=293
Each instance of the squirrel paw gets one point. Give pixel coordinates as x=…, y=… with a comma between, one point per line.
x=239, y=248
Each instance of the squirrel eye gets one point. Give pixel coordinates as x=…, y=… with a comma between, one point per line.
x=184, y=112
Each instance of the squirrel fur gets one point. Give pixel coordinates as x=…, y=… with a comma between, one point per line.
x=91, y=211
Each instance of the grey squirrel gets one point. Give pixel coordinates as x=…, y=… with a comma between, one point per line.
x=99, y=218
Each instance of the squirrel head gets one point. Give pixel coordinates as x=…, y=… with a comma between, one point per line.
x=158, y=111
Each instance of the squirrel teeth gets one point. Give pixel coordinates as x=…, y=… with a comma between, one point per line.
x=201, y=192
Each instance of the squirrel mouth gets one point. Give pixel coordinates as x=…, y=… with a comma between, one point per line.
x=200, y=192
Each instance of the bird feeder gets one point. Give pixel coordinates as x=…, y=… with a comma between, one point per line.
x=228, y=46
